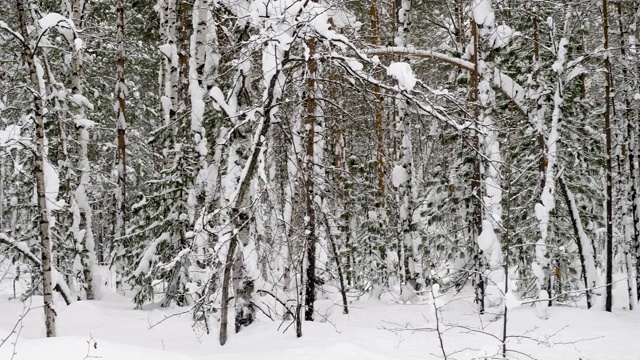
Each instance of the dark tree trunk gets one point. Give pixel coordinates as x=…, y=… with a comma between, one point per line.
x=609, y=155
x=310, y=220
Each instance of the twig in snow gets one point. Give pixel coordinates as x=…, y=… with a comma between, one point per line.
x=91, y=343
x=435, y=308
x=17, y=327
x=166, y=317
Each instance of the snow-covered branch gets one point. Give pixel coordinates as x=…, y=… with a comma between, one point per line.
x=58, y=282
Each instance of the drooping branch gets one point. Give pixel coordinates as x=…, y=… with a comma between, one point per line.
x=501, y=81
x=61, y=287
x=420, y=54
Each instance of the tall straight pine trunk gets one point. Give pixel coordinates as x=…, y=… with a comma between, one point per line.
x=121, y=129
x=309, y=186
x=609, y=156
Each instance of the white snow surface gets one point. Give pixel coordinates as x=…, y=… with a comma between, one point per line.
x=482, y=13
x=64, y=25
x=81, y=100
x=10, y=137
x=7, y=28
x=375, y=329
x=400, y=175
x=54, y=19
x=78, y=44
x=402, y=72
x=52, y=187
x=502, y=36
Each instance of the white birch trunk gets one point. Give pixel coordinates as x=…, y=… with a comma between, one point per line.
x=488, y=239
x=403, y=172
x=83, y=215
x=36, y=75
x=204, y=174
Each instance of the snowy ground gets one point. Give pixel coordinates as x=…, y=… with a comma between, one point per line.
x=110, y=329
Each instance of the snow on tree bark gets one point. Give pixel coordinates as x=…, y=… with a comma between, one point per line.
x=206, y=175
x=540, y=265
x=403, y=177
x=83, y=216
x=488, y=132
x=240, y=173
x=44, y=208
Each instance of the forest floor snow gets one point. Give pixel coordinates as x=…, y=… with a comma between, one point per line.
x=111, y=329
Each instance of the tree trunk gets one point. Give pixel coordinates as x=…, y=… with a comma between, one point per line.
x=412, y=259
x=121, y=126
x=84, y=230
x=39, y=157
x=377, y=90
x=309, y=178
x=336, y=257
x=609, y=156
x=248, y=169
x=489, y=142
x=169, y=86
x=636, y=199
x=378, y=218
x=476, y=181
x=630, y=138
x=183, y=49
x=224, y=302
x=585, y=246
x=243, y=279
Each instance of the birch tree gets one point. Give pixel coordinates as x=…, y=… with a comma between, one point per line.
x=403, y=171
x=242, y=164
x=44, y=171
x=82, y=226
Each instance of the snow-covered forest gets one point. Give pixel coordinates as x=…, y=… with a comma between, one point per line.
x=312, y=179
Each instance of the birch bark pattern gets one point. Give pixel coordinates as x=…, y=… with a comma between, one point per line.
x=28, y=55
x=412, y=259
x=85, y=231
x=488, y=133
x=168, y=78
